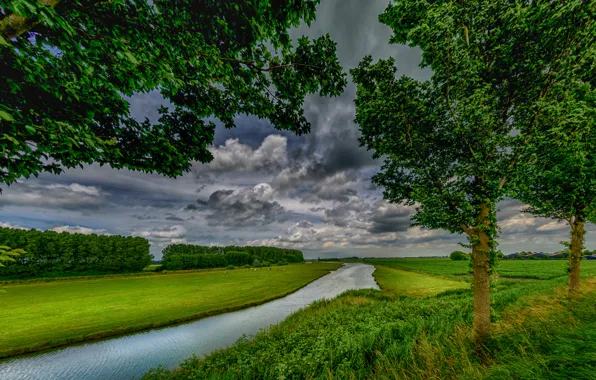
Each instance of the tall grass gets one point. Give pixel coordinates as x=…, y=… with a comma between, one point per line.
x=371, y=334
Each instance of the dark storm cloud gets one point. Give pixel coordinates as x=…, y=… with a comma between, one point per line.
x=175, y=218
x=304, y=224
x=74, y=196
x=246, y=208
x=389, y=218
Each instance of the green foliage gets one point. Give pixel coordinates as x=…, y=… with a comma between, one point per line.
x=8, y=254
x=187, y=256
x=256, y=263
x=282, y=262
x=51, y=253
x=68, y=68
x=231, y=267
x=458, y=256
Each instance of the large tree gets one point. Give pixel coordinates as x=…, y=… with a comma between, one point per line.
x=451, y=145
x=558, y=177
x=68, y=67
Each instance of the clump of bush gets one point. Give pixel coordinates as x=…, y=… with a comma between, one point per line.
x=282, y=262
x=246, y=266
x=230, y=267
x=458, y=256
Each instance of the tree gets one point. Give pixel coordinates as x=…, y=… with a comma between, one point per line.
x=452, y=144
x=68, y=66
x=560, y=182
x=458, y=256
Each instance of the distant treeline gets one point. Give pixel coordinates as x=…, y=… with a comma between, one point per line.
x=49, y=252
x=186, y=256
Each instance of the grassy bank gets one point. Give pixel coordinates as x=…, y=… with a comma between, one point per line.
x=41, y=315
x=367, y=334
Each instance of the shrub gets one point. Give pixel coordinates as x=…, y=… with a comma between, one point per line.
x=230, y=267
x=458, y=256
x=283, y=262
x=246, y=266
x=256, y=263
x=266, y=264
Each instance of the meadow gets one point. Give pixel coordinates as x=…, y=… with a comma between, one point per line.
x=538, y=334
x=37, y=315
x=537, y=269
x=402, y=282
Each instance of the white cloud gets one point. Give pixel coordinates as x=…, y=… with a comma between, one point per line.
x=9, y=225
x=553, y=225
x=235, y=156
x=79, y=230
x=169, y=233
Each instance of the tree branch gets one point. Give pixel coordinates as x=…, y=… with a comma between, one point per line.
x=14, y=25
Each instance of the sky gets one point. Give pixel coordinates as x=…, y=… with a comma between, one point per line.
x=266, y=187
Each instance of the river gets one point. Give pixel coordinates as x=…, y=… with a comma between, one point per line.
x=130, y=356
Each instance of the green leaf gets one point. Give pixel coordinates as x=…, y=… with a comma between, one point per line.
x=6, y=116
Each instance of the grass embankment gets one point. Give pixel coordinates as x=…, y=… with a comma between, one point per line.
x=41, y=315
x=367, y=334
x=537, y=269
x=401, y=282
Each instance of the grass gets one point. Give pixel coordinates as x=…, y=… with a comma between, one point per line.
x=401, y=282
x=367, y=334
x=537, y=269
x=45, y=314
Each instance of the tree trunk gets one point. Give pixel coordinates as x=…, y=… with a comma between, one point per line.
x=575, y=255
x=481, y=264
x=481, y=286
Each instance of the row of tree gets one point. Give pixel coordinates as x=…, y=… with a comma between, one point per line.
x=51, y=252
x=188, y=256
x=508, y=112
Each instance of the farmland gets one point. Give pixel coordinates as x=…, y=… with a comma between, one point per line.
x=45, y=314
x=384, y=335
x=538, y=269
x=401, y=282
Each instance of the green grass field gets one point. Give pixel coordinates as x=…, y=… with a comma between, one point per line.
x=367, y=334
x=538, y=269
x=412, y=284
x=46, y=314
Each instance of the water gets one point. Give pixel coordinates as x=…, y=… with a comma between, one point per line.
x=130, y=356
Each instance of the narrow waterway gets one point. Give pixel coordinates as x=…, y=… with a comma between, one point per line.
x=130, y=356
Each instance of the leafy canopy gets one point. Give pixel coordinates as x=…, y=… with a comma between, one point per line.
x=68, y=67
x=558, y=179
x=451, y=145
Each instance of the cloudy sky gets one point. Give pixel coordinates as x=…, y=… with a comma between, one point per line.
x=266, y=187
